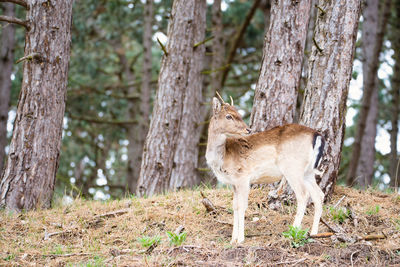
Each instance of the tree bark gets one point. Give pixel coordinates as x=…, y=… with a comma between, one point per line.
x=184, y=172
x=218, y=49
x=395, y=107
x=161, y=141
x=29, y=175
x=276, y=90
x=6, y=64
x=369, y=82
x=330, y=68
x=365, y=166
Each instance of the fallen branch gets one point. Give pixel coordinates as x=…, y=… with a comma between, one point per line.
x=15, y=21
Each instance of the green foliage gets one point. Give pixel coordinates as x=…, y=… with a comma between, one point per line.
x=373, y=210
x=176, y=239
x=397, y=224
x=297, y=236
x=339, y=215
x=147, y=241
x=9, y=257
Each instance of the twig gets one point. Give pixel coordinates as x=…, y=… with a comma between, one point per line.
x=222, y=222
x=204, y=41
x=316, y=45
x=162, y=47
x=330, y=227
x=322, y=235
x=48, y=235
x=66, y=255
x=351, y=257
x=340, y=200
x=323, y=12
x=15, y=21
x=373, y=237
x=30, y=57
x=18, y=2
x=112, y=214
x=290, y=262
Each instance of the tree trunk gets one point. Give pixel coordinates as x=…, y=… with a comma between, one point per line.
x=276, y=91
x=365, y=168
x=6, y=63
x=369, y=83
x=330, y=68
x=29, y=175
x=161, y=141
x=395, y=107
x=184, y=172
x=218, y=51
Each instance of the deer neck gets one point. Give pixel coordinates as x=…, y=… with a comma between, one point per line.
x=215, y=152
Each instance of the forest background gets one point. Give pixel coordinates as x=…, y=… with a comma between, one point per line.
x=116, y=53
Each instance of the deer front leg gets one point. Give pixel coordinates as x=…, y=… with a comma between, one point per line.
x=240, y=201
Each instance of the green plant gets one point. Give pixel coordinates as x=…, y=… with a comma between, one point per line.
x=373, y=210
x=147, y=241
x=339, y=214
x=297, y=236
x=397, y=224
x=9, y=257
x=176, y=239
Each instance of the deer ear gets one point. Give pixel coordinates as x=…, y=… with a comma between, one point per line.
x=216, y=105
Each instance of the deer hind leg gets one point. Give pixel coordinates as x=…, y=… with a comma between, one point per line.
x=317, y=197
x=296, y=182
x=240, y=201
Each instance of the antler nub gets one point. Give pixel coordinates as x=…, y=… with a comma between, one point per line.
x=231, y=101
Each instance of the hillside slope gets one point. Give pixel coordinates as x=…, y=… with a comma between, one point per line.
x=93, y=233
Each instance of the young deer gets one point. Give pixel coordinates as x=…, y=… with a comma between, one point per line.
x=292, y=151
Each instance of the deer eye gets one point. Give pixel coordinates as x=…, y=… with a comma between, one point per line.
x=228, y=117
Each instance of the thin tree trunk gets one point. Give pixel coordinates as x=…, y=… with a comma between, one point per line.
x=395, y=107
x=276, y=90
x=184, y=172
x=161, y=141
x=330, y=68
x=30, y=172
x=6, y=63
x=369, y=82
x=236, y=41
x=365, y=168
x=218, y=49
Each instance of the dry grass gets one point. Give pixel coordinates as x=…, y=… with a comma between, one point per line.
x=77, y=236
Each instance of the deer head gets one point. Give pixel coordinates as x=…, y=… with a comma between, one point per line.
x=226, y=120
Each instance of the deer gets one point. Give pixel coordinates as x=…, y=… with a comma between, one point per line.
x=239, y=158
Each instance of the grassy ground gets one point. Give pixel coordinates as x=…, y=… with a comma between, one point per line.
x=92, y=233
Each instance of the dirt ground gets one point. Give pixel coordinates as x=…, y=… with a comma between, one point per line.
x=94, y=233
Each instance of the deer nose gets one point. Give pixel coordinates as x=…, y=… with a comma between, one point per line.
x=248, y=130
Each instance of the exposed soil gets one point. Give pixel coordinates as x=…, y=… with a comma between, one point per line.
x=92, y=233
